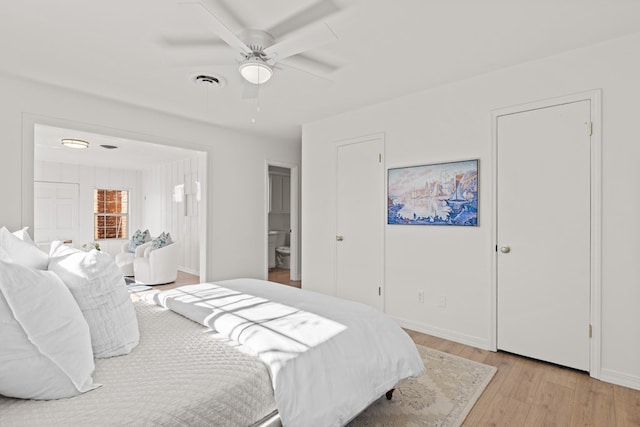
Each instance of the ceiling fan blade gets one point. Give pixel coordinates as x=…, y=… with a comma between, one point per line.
x=310, y=65
x=314, y=13
x=301, y=42
x=223, y=31
x=225, y=13
x=287, y=66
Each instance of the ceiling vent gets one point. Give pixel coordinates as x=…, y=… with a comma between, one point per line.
x=210, y=81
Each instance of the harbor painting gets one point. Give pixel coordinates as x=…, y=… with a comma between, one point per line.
x=437, y=194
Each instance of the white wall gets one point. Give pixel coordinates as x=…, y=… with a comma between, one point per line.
x=235, y=227
x=88, y=178
x=162, y=214
x=453, y=123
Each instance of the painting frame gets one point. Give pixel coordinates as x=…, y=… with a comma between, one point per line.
x=445, y=193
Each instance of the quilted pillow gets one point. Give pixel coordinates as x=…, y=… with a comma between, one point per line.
x=96, y=283
x=138, y=238
x=46, y=347
x=23, y=252
x=161, y=241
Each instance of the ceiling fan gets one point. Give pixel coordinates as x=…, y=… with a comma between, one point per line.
x=259, y=52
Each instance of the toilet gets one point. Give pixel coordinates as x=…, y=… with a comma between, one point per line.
x=283, y=254
x=279, y=250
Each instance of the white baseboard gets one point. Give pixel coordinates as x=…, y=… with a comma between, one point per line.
x=187, y=270
x=606, y=375
x=619, y=378
x=444, y=333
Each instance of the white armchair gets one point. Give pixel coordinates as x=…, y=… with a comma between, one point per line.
x=124, y=259
x=157, y=267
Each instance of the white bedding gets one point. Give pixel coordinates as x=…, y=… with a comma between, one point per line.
x=329, y=358
x=179, y=374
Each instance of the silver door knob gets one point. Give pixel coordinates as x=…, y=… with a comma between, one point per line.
x=505, y=249
x=339, y=238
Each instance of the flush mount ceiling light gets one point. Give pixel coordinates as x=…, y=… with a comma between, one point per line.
x=255, y=70
x=75, y=143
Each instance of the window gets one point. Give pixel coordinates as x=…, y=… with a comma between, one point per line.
x=110, y=214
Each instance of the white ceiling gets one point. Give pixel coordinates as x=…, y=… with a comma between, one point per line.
x=118, y=49
x=130, y=154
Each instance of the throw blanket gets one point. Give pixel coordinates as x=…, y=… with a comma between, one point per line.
x=329, y=358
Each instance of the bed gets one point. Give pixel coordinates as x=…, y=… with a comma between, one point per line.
x=179, y=374
x=241, y=352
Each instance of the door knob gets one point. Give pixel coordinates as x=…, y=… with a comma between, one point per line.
x=339, y=238
x=505, y=249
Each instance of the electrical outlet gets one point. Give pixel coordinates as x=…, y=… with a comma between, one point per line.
x=421, y=297
x=442, y=301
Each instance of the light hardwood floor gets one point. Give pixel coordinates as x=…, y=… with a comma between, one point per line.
x=524, y=392
x=282, y=275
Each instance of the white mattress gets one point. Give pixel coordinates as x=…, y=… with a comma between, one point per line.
x=329, y=358
x=181, y=373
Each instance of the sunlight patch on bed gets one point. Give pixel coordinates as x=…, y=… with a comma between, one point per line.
x=273, y=331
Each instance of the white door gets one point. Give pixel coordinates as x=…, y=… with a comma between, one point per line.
x=543, y=233
x=360, y=222
x=55, y=212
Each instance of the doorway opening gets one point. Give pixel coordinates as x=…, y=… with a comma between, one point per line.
x=165, y=189
x=281, y=223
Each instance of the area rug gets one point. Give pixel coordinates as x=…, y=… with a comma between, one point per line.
x=132, y=286
x=442, y=397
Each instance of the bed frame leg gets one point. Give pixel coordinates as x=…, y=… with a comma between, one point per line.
x=390, y=394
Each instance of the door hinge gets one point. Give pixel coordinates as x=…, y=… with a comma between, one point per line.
x=380, y=158
x=379, y=290
x=590, y=128
x=590, y=331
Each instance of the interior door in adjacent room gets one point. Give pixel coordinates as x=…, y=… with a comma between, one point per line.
x=543, y=233
x=360, y=208
x=55, y=212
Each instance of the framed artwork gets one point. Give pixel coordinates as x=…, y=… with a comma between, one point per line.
x=436, y=194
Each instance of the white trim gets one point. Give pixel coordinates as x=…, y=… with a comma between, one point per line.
x=188, y=271
x=595, y=97
x=294, y=236
x=29, y=120
x=619, y=378
x=446, y=334
x=341, y=143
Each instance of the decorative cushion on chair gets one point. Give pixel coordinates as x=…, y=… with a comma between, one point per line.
x=138, y=238
x=161, y=241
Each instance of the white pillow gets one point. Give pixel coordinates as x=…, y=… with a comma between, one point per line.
x=23, y=234
x=4, y=256
x=97, y=284
x=46, y=346
x=22, y=251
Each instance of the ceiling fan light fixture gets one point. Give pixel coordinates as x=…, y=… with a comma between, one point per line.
x=75, y=143
x=255, y=70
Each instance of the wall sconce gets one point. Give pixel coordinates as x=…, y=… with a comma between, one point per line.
x=178, y=193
